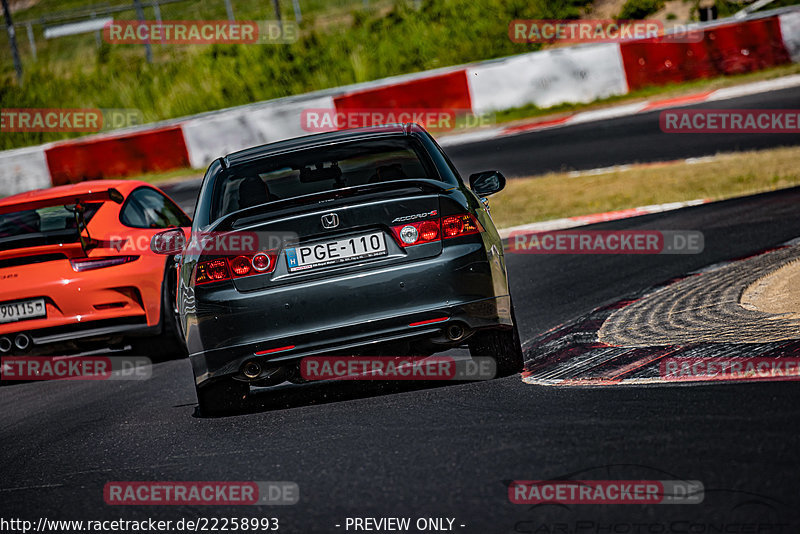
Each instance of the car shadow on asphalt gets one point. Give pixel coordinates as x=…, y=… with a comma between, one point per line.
x=298, y=396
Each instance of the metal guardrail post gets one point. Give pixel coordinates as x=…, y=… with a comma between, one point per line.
x=278, y=14
x=12, y=39
x=97, y=40
x=148, y=51
x=31, y=40
x=157, y=13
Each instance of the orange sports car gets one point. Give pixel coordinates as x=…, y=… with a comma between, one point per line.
x=77, y=273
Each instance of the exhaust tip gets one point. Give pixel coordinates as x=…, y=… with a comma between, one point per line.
x=251, y=369
x=22, y=341
x=5, y=345
x=455, y=332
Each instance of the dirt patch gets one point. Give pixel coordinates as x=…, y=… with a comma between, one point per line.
x=21, y=5
x=680, y=10
x=605, y=9
x=777, y=293
x=609, y=9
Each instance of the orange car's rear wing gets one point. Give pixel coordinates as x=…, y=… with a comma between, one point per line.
x=67, y=250
x=84, y=240
x=68, y=199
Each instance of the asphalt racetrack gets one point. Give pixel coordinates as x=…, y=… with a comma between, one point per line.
x=631, y=139
x=450, y=451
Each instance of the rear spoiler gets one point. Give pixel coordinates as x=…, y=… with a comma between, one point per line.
x=64, y=200
x=69, y=250
x=229, y=222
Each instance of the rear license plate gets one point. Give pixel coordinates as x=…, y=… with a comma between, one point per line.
x=24, y=309
x=329, y=253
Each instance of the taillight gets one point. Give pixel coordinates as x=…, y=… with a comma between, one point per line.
x=417, y=233
x=89, y=264
x=264, y=263
x=221, y=269
x=240, y=265
x=211, y=271
x=458, y=225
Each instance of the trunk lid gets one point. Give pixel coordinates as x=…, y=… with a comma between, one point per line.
x=337, y=234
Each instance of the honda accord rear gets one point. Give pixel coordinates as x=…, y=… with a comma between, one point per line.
x=369, y=243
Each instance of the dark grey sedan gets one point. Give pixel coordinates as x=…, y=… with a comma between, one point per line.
x=367, y=242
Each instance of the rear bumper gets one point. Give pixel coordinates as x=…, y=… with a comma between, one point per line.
x=118, y=301
x=128, y=292
x=481, y=314
x=64, y=338
x=347, y=313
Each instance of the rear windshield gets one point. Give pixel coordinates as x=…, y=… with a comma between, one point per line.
x=43, y=226
x=319, y=170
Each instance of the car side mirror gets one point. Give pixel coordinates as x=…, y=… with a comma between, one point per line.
x=168, y=242
x=487, y=182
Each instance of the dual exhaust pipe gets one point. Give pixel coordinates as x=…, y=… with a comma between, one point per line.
x=22, y=342
x=251, y=369
x=455, y=332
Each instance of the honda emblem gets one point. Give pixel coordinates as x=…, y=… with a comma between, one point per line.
x=331, y=220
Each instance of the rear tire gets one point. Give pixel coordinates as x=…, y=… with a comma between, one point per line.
x=503, y=345
x=221, y=397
